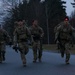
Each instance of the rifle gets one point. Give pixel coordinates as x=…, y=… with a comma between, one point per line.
x=16, y=48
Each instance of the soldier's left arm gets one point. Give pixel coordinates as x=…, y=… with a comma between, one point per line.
x=57, y=33
x=41, y=32
x=28, y=32
x=7, y=35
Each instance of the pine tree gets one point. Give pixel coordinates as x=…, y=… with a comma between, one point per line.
x=55, y=14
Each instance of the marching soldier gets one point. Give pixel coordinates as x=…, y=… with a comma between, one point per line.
x=4, y=37
x=36, y=35
x=21, y=34
x=64, y=35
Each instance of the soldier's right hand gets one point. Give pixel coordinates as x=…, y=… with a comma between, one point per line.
x=15, y=48
x=10, y=44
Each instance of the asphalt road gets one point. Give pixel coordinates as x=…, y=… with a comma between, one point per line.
x=52, y=64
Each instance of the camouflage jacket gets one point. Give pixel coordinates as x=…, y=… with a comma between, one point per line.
x=36, y=32
x=21, y=34
x=63, y=32
x=4, y=36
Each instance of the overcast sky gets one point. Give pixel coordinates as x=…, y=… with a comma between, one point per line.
x=69, y=8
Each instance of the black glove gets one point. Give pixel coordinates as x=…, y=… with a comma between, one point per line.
x=15, y=48
x=10, y=43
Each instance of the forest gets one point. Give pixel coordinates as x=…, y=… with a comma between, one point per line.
x=49, y=13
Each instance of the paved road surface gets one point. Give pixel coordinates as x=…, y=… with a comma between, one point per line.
x=52, y=64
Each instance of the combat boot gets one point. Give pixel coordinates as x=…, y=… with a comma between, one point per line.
x=3, y=58
x=34, y=61
x=0, y=59
x=24, y=63
x=3, y=55
x=67, y=62
x=40, y=60
x=67, y=58
x=62, y=54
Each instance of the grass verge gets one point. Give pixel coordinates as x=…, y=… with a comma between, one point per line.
x=53, y=48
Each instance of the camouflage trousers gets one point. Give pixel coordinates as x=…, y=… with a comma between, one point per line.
x=2, y=50
x=65, y=48
x=37, y=52
x=23, y=51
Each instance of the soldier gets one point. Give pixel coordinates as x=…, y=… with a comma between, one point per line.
x=64, y=35
x=37, y=35
x=21, y=34
x=4, y=37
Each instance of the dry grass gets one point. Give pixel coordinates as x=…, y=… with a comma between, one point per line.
x=53, y=47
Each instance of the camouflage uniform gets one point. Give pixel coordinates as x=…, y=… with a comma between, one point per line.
x=36, y=34
x=4, y=37
x=63, y=34
x=21, y=35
